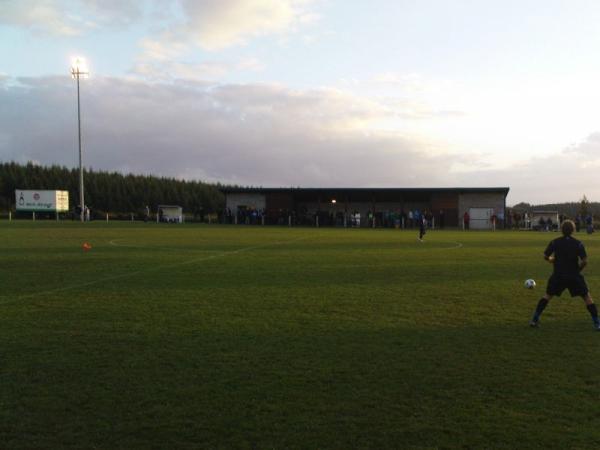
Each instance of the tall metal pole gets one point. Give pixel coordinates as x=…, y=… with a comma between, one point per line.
x=81, y=194
x=77, y=70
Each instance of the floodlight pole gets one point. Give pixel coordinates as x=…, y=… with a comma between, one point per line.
x=81, y=194
x=77, y=72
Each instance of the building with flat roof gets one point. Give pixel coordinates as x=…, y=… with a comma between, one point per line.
x=368, y=206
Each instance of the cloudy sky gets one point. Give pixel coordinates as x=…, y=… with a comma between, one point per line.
x=311, y=93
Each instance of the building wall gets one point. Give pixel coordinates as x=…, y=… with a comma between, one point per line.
x=484, y=200
x=276, y=201
x=390, y=206
x=444, y=201
x=247, y=199
x=453, y=204
x=361, y=207
x=341, y=205
x=313, y=207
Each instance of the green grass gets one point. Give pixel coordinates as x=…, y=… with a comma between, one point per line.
x=252, y=337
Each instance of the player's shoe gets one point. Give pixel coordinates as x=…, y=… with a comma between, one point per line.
x=534, y=323
x=597, y=326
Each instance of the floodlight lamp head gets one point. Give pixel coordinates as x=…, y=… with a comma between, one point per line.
x=79, y=68
x=334, y=201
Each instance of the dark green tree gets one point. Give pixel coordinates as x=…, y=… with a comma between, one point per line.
x=584, y=206
x=110, y=192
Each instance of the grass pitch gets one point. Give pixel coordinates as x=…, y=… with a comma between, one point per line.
x=259, y=337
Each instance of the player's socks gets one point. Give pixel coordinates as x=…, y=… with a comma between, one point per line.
x=539, y=309
x=594, y=313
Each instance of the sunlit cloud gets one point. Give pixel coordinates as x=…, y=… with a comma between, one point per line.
x=216, y=24
x=249, y=134
x=589, y=148
x=205, y=72
x=260, y=134
x=72, y=18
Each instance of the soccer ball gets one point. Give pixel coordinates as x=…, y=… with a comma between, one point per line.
x=530, y=284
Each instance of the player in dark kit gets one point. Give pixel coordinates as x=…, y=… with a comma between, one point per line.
x=422, y=226
x=568, y=256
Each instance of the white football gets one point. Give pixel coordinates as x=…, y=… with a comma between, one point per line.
x=530, y=284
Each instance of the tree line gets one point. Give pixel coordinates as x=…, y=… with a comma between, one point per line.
x=110, y=192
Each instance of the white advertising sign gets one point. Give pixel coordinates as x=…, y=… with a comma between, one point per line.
x=49, y=201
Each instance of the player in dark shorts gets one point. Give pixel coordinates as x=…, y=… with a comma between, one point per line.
x=422, y=226
x=568, y=256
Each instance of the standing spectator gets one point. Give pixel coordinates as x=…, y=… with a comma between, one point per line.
x=589, y=224
x=577, y=223
x=430, y=219
x=410, y=218
x=466, y=220
x=398, y=220
x=513, y=220
x=442, y=214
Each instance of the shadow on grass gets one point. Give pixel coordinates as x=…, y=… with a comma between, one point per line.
x=135, y=385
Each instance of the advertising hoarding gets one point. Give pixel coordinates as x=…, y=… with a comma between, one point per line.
x=45, y=201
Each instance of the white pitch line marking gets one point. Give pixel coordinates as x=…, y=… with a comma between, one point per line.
x=114, y=243
x=138, y=272
x=455, y=246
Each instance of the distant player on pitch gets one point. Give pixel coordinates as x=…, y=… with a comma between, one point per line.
x=568, y=256
x=422, y=226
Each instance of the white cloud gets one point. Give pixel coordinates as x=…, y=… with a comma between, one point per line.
x=68, y=17
x=112, y=12
x=174, y=70
x=165, y=49
x=410, y=83
x=204, y=72
x=250, y=63
x=175, y=28
x=563, y=176
x=410, y=95
x=42, y=16
x=262, y=135
x=589, y=148
x=216, y=24
x=255, y=134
